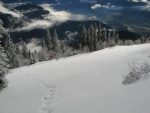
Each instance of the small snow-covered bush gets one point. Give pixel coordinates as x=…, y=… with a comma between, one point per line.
x=3, y=83
x=137, y=72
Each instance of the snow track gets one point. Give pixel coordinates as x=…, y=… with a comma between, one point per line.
x=48, y=98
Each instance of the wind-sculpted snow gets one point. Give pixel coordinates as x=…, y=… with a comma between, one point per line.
x=87, y=83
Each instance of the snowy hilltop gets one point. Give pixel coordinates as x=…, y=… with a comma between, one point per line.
x=87, y=83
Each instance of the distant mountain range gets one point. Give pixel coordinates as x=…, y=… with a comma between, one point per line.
x=32, y=17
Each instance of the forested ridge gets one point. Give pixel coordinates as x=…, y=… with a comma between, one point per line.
x=91, y=38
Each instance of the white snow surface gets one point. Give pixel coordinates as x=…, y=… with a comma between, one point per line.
x=87, y=83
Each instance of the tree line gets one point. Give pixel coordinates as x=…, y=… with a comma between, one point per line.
x=91, y=38
x=96, y=37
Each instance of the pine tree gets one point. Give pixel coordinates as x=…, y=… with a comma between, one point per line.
x=3, y=59
x=142, y=39
x=56, y=45
x=91, y=37
x=43, y=54
x=116, y=38
x=104, y=37
x=48, y=40
x=20, y=58
x=114, y=34
x=11, y=52
x=88, y=39
x=95, y=38
x=43, y=43
x=83, y=37
x=33, y=58
x=99, y=37
x=109, y=38
x=62, y=46
x=109, y=35
x=25, y=50
x=3, y=66
x=99, y=33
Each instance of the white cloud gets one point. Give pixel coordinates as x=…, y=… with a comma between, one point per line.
x=138, y=0
x=95, y=6
x=54, y=17
x=49, y=20
x=36, y=24
x=17, y=4
x=62, y=16
x=143, y=8
x=7, y=11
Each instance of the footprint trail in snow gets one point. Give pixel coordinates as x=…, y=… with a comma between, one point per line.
x=48, y=98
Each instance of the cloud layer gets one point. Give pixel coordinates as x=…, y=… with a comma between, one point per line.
x=35, y=24
x=49, y=20
x=143, y=8
x=7, y=11
x=108, y=5
x=138, y=0
x=54, y=17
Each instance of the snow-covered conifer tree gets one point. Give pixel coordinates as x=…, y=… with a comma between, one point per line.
x=25, y=50
x=3, y=59
x=84, y=37
x=11, y=52
x=48, y=40
x=56, y=45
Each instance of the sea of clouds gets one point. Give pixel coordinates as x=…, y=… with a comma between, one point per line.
x=57, y=16
x=54, y=17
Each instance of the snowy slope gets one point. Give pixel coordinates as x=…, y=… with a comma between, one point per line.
x=88, y=83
